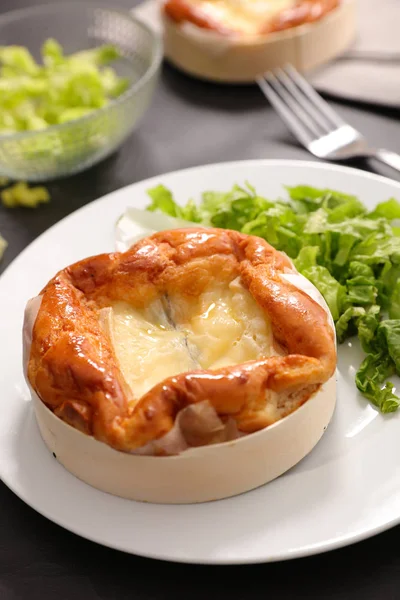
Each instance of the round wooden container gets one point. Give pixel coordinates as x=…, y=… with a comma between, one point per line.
x=197, y=475
x=209, y=55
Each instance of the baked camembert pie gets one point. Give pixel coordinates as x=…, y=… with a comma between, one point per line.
x=238, y=41
x=123, y=342
x=247, y=17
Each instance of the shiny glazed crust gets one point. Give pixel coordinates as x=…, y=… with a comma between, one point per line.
x=73, y=369
x=304, y=11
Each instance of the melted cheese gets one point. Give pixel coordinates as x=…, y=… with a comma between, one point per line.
x=224, y=326
x=244, y=16
x=147, y=347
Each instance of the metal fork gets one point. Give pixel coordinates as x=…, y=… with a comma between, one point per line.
x=313, y=122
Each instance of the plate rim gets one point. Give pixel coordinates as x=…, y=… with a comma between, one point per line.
x=307, y=550
x=224, y=164
x=304, y=552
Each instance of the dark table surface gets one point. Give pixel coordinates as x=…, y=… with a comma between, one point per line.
x=189, y=123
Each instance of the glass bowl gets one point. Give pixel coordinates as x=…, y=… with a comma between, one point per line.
x=76, y=145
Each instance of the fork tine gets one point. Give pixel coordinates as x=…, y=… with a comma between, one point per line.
x=298, y=130
x=304, y=101
x=293, y=105
x=314, y=97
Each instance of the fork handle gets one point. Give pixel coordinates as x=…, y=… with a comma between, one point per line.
x=388, y=158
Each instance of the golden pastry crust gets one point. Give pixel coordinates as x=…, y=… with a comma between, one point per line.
x=73, y=369
x=303, y=11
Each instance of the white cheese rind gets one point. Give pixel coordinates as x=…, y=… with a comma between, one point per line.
x=136, y=224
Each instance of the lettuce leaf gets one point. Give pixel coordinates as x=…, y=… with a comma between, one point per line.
x=306, y=258
x=374, y=370
x=367, y=325
x=333, y=292
x=346, y=321
x=394, y=303
x=388, y=340
x=390, y=210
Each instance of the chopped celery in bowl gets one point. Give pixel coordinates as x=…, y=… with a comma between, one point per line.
x=63, y=88
x=69, y=100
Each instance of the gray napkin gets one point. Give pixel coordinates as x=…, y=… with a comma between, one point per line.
x=368, y=72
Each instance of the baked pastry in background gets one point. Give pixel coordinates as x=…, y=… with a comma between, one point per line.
x=247, y=17
x=123, y=342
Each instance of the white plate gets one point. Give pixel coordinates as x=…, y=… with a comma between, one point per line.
x=347, y=489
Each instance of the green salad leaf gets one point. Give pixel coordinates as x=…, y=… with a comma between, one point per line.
x=389, y=209
x=350, y=254
x=333, y=292
x=163, y=201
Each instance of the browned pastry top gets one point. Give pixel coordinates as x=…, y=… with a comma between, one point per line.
x=77, y=371
x=247, y=17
